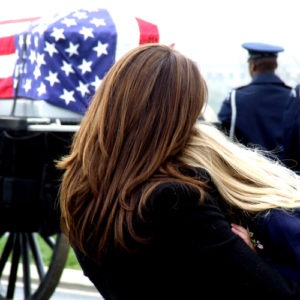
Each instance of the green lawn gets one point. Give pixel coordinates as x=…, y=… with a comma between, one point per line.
x=47, y=252
x=72, y=261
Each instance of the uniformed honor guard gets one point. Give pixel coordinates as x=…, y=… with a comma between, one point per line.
x=266, y=114
x=253, y=114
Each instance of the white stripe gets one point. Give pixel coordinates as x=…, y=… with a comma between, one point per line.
x=128, y=33
x=7, y=63
x=233, y=115
x=13, y=28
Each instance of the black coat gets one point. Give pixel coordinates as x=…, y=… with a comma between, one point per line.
x=291, y=135
x=193, y=255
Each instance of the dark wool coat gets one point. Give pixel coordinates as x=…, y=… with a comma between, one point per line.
x=193, y=254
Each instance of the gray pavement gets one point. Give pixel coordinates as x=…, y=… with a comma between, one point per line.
x=74, y=285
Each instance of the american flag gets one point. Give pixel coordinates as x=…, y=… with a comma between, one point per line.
x=62, y=59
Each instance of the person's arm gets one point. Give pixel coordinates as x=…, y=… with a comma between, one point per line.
x=224, y=115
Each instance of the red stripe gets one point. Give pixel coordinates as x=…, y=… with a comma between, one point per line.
x=6, y=87
x=7, y=45
x=19, y=20
x=148, y=32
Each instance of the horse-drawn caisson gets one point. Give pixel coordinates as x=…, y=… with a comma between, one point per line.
x=53, y=66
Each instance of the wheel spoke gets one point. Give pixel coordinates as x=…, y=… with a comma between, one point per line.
x=6, y=252
x=50, y=241
x=14, y=267
x=26, y=265
x=36, y=254
x=27, y=248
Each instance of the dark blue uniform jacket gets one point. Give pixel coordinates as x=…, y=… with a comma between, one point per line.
x=259, y=112
x=291, y=134
x=279, y=233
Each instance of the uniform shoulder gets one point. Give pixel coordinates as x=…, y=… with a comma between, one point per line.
x=295, y=91
x=241, y=87
x=234, y=90
x=287, y=86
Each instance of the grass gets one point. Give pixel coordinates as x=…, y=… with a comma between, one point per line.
x=71, y=262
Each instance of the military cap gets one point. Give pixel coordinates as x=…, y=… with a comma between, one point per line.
x=260, y=50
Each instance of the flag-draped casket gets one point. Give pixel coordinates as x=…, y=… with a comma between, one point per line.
x=50, y=68
x=53, y=65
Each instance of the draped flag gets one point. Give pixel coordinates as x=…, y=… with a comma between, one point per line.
x=62, y=59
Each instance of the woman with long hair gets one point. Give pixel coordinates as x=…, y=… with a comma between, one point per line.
x=149, y=194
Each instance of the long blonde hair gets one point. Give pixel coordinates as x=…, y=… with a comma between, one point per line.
x=246, y=178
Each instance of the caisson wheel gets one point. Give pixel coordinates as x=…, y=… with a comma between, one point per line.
x=32, y=262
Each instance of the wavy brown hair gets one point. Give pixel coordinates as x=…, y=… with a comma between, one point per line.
x=137, y=124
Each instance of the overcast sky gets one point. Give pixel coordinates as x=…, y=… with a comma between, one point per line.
x=209, y=31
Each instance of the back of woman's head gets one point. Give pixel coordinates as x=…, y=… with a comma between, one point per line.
x=139, y=120
x=142, y=113
x=150, y=99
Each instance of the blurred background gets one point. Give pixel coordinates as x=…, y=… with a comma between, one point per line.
x=209, y=31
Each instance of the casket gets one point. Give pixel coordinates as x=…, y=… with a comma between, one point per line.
x=50, y=69
x=52, y=65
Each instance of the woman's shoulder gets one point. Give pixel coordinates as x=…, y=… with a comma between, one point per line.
x=175, y=195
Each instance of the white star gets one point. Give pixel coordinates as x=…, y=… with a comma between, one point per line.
x=36, y=41
x=67, y=68
x=98, y=22
x=69, y=22
x=50, y=48
x=32, y=56
x=28, y=40
x=40, y=59
x=27, y=85
x=68, y=96
x=83, y=88
x=15, y=83
x=41, y=89
x=17, y=70
x=72, y=50
x=100, y=49
x=52, y=78
x=21, y=40
x=85, y=66
x=37, y=72
x=80, y=15
x=24, y=54
x=96, y=82
x=86, y=32
x=58, y=33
